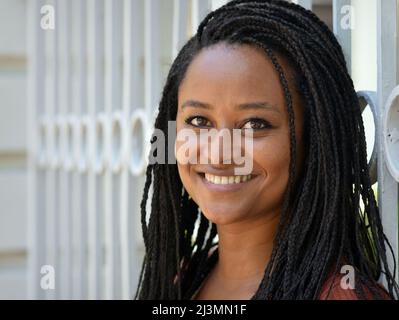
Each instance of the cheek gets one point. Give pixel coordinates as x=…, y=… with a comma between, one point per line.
x=185, y=177
x=186, y=153
x=184, y=173
x=184, y=144
x=186, y=149
x=272, y=155
x=273, y=160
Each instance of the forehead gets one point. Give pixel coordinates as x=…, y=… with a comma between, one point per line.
x=225, y=75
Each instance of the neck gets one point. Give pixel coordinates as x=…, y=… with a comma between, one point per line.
x=245, y=248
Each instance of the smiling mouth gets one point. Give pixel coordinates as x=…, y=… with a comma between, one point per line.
x=226, y=180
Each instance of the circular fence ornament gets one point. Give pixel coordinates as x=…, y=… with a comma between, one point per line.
x=84, y=131
x=369, y=98
x=43, y=148
x=391, y=133
x=138, y=138
x=118, y=141
x=101, y=135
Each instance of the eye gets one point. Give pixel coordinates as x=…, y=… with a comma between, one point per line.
x=198, y=121
x=257, y=124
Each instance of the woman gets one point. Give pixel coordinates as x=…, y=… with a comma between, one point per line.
x=288, y=228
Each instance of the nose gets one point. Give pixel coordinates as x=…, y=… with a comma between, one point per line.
x=216, y=148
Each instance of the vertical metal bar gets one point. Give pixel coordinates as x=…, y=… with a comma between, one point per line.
x=78, y=194
x=307, y=4
x=131, y=53
x=126, y=232
x=180, y=15
x=112, y=102
x=95, y=103
x=131, y=56
x=152, y=54
x=64, y=89
x=215, y=4
x=199, y=10
x=36, y=240
x=343, y=15
x=51, y=87
x=387, y=79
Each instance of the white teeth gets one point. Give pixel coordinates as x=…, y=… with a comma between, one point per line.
x=226, y=179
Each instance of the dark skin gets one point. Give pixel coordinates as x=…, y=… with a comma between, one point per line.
x=224, y=77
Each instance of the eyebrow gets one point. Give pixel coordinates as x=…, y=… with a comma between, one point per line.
x=258, y=105
x=195, y=104
x=243, y=106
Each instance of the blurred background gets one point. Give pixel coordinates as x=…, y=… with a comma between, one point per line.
x=79, y=85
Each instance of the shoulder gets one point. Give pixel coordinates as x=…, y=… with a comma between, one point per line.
x=335, y=288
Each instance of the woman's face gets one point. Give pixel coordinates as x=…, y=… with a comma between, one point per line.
x=238, y=88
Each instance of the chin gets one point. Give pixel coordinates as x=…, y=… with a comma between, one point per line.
x=223, y=216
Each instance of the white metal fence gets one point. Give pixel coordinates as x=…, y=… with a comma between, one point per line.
x=94, y=84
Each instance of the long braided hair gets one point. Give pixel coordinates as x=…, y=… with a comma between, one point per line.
x=322, y=223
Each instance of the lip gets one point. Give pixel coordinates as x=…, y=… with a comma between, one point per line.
x=224, y=187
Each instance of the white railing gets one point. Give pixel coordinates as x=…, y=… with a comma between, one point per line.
x=387, y=79
x=94, y=83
